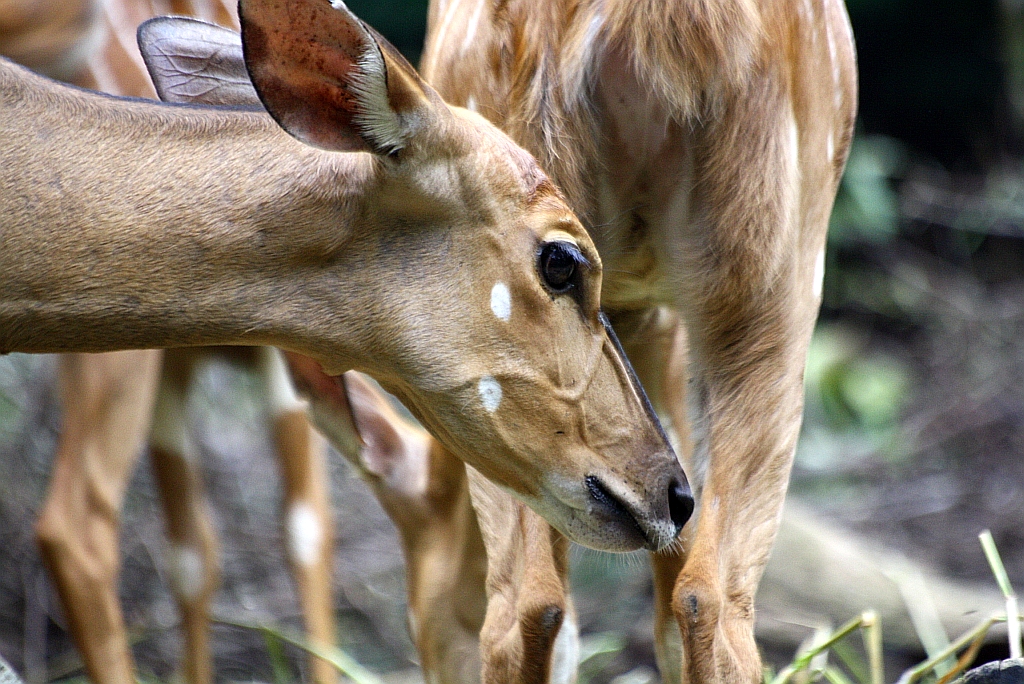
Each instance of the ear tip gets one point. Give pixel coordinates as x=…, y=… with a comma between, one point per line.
x=163, y=22
x=323, y=75
x=158, y=28
x=150, y=28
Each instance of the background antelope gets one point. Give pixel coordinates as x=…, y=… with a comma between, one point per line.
x=701, y=142
x=109, y=400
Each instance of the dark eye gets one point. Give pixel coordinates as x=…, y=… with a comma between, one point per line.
x=559, y=263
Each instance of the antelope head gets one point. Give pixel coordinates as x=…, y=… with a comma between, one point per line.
x=472, y=289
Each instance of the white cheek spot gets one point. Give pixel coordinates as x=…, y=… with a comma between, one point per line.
x=819, y=273
x=185, y=572
x=490, y=393
x=566, y=656
x=471, y=104
x=830, y=148
x=305, y=535
x=501, y=301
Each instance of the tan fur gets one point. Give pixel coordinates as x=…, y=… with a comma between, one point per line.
x=125, y=379
x=192, y=251
x=423, y=489
x=107, y=401
x=701, y=141
x=487, y=579
x=54, y=37
x=527, y=588
x=107, y=408
x=301, y=456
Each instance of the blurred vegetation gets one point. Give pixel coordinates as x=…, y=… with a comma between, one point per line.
x=915, y=414
x=403, y=22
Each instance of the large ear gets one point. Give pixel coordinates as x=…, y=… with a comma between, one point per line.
x=329, y=407
x=195, y=62
x=330, y=80
x=360, y=422
x=388, y=451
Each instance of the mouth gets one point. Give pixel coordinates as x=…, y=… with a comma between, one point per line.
x=653, y=531
x=595, y=515
x=607, y=506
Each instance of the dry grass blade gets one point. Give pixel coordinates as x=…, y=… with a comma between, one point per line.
x=965, y=660
x=978, y=633
x=803, y=660
x=872, y=631
x=1003, y=580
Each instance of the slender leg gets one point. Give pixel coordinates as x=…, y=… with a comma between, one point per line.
x=192, y=552
x=424, y=490
x=107, y=404
x=306, y=505
x=529, y=634
x=528, y=630
x=749, y=254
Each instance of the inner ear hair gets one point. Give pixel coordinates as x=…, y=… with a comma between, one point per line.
x=376, y=118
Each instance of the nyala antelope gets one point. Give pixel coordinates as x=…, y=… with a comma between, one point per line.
x=701, y=142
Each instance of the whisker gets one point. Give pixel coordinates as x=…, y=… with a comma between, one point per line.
x=675, y=548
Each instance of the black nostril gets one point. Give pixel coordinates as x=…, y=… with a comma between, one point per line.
x=680, y=503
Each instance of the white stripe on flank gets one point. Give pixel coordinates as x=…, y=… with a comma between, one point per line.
x=474, y=22
x=794, y=143
x=446, y=22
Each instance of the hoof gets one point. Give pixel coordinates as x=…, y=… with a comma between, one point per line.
x=1000, y=672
